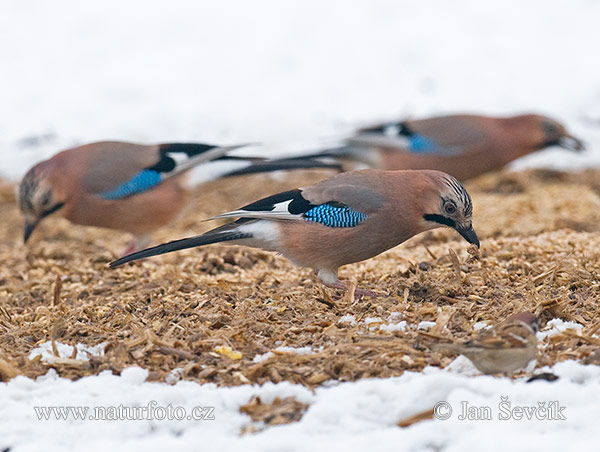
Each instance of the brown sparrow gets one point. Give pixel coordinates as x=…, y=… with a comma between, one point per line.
x=508, y=347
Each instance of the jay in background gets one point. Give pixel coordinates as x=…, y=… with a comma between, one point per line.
x=464, y=146
x=348, y=218
x=125, y=186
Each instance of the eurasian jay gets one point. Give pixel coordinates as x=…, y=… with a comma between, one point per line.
x=464, y=146
x=130, y=187
x=348, y=218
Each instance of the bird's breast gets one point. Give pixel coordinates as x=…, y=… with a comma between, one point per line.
x=315, y=245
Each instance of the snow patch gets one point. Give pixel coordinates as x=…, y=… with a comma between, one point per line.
x=400, y=326
x=425, y=325
x=349, y=319
x=481, y=326
x=295, y=350
x=557, y=326
x=66, y=351
x=361, y=415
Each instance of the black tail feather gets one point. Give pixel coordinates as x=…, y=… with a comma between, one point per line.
x=223, y=233
x=338, y=152
x=282, y=164
x=241, y=158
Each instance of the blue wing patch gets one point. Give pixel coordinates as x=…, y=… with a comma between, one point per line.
x=141, y=182
x=420, y=144
x=334, y=216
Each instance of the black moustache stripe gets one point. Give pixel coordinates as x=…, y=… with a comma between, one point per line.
x=440, y=219
x=52, y=210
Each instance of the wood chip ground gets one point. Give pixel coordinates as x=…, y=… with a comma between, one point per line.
x=209, y=312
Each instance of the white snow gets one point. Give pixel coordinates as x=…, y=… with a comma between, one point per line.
x=376, y=323
x=480, y=326
x=462, y=366
x=394, y=325
x=425, y=325
x=556, y=326
x=175, y=375
x=344, y=416
x=350, y=319
x=286, y=74
x=293, y=75
x=66, y=351
x=373, y=323
x=296, y=350
x=400, y=326
x=262, y=357
x=283, y=349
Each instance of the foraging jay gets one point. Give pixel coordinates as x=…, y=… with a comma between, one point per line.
x=464, y=146
x=125, y=186
x=348, y=218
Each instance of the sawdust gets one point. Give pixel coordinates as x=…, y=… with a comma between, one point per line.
x=419, y=417
x=278, y=412
x=216, y=313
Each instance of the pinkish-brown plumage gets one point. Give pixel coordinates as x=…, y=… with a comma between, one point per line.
x=345, y=219
x=464, y=146
x=125, y=186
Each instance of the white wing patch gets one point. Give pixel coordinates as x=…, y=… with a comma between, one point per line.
x=184, y=162
x=279, y=212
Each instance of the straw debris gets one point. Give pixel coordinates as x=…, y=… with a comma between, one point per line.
x=220, y=313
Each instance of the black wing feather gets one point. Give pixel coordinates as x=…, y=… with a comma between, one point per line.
x=166, y=163
x=297, y=205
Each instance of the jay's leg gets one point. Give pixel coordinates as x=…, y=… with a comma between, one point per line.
x=137, y=244
x=330, y=279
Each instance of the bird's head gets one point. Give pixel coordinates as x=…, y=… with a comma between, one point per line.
x=447, y=203
x=527, y=318
x=541, y=132
x=37, y=198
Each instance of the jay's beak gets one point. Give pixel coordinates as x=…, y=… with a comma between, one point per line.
x=571, y=143
x=31, y=224
x=28, y=229
x=469, y=235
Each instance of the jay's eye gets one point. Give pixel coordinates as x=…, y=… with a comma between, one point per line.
x=550, y=128
x=45, y=200
x=449, y=208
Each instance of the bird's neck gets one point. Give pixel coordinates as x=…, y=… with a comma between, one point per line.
x=522, y=137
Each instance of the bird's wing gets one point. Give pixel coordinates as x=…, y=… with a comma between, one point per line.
x=342, y=201
x=118, y=170
x=504, y=336
x=446, y=135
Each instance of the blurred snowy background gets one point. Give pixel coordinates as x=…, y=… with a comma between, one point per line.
x=289, y=74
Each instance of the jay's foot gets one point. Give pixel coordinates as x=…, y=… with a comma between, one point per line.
x=354, y=292
x=137, y=244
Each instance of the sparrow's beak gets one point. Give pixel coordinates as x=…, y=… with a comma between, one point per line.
x=571, y=143
x=469, y=235
x=28, y=229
